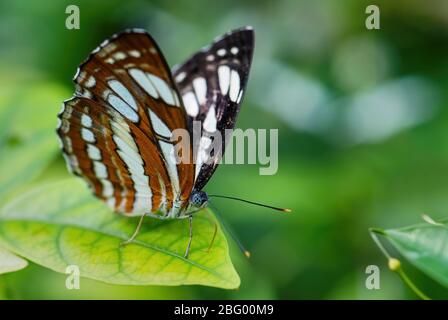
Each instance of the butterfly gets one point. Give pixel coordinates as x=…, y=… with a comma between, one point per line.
x=116, y=130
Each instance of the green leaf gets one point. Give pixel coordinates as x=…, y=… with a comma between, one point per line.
x=425, y=246
x=62, y=224
x=10, y=262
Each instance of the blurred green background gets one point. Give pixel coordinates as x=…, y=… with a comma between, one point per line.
x=362, y=118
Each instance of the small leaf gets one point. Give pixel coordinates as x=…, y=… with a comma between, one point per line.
x=425, y=246
x=10, y=262
x=62, y=224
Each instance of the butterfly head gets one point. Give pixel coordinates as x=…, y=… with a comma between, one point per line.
x=198, y=198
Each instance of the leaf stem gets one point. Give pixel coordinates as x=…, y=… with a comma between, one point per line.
x=373, y=233
x=411, y=284
x=394, y=264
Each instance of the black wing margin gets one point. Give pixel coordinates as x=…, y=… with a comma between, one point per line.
x=212, y=85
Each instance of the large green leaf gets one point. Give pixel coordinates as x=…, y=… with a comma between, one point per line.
x=61, y=224
x=425, y=246
x=10, y=262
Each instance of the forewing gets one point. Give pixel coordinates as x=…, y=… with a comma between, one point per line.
x=212, y=84
x=126, y=106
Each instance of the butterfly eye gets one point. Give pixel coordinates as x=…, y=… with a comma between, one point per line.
x=198, y=198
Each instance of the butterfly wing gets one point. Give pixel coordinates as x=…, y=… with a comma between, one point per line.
x=212, y=84
x=116, y=130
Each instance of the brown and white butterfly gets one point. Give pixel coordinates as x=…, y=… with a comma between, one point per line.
x=116, y=129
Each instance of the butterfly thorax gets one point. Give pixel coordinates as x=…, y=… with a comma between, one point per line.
x=182, y=209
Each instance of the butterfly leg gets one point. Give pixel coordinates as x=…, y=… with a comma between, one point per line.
x=190, y=221
x=136, y=232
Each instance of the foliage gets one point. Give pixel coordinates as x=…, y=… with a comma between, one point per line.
x=62, y=224
x=362, y=118
x=424, y=245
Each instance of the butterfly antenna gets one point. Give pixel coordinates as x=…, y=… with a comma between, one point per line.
x=230, y=232
x=251, y=202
